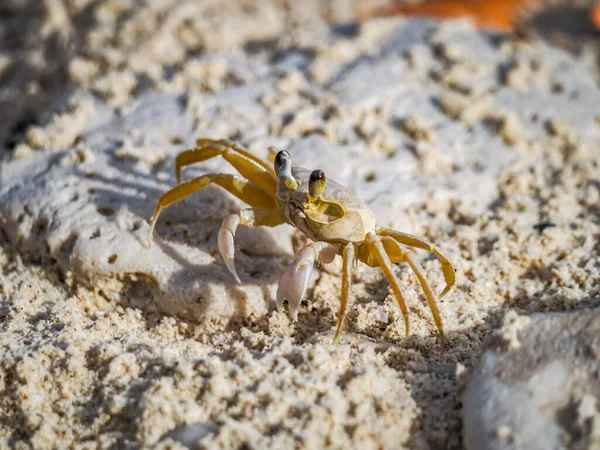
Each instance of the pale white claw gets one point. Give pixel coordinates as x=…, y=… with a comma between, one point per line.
x=295, y=280
x=293, y=284
x=226, y=245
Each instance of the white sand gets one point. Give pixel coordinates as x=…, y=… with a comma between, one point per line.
x=87, y=360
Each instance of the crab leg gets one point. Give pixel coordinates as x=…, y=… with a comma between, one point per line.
x=347, y=260
x=384, y=262
x=235, y=146
x=252, y=217
x=398, y=255
x=413, y=241
x=248, y=165
x=296, y=277
x=243, y=189
x=271, y=155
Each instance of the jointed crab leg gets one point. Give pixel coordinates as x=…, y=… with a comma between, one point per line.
x=347, y=260
x=398, y=255
x=384, y=262
x=234, y=146
x=296, y=277
x=252, y=217
x=272, y=154
x=243, y=189
x=249, y=166
x=413, y=241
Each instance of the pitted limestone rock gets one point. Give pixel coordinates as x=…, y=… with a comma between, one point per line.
x=538, y=386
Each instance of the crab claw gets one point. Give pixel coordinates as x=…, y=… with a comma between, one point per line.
x=294, y=281
x=226, y=245
x=293, y=285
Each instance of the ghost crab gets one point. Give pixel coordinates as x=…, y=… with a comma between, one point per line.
x=337, y=221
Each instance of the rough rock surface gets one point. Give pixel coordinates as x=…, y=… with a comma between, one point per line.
x=538, y=386
x=483, y=144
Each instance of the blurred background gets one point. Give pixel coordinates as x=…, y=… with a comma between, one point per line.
x=119, y=48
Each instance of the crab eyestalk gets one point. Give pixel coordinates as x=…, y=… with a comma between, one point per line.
x=283, y=169
x=316, y=184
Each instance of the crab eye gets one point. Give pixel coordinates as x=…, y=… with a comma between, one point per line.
x=283, y=170
x=283, y=164
x=316, y=183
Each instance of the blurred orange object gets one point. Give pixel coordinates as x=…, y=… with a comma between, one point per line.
x=496, y=15
x=595, y=16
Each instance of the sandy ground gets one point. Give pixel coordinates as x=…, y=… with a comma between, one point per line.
x=80, y=370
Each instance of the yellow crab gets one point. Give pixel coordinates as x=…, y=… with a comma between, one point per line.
x=336, y=220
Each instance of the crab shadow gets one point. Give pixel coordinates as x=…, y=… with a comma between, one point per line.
x=193, y=222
